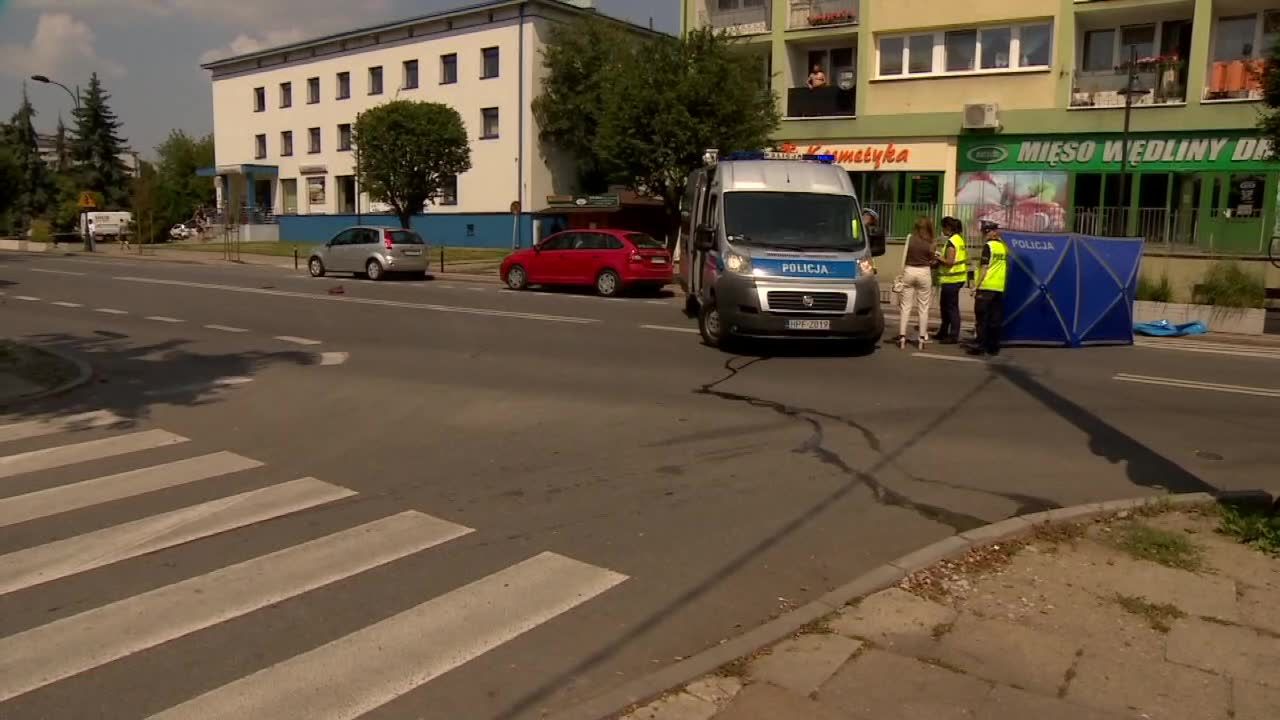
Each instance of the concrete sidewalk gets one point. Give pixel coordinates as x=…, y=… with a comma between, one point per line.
x=1157, y=618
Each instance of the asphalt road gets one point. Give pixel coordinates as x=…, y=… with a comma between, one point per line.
x=517, y=501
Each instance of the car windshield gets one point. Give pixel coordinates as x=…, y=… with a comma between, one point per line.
x=405, y=237
x=645, y=242
x=801, y=221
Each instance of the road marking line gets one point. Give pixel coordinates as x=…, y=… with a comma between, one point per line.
x=1263, y=353
x=330, y=359
x=1196, y=385
x=225, y=328
x=163, y=319
x=297, y=340
x=46, y=654
x=371, y=667
x=948, y=358
x=478, y=289
x=56, y=272
x=1180, y=343
x=440, y=285
x=56, y=457
x=368, y=301
x=658, y=302
x=52, y=426
x=218, y=384
x=65, y=498
x=110, y=311
x=668, y=328
x=51, y=561
x=65, y=304
x=26, y=298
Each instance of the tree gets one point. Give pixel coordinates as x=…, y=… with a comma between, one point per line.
x=580, y=60
x=177, y=192
x=10, y=179
x=97, y=147
x=61, y=148
x=405, y=152
x=1270, y=122
x=150, y=223
x=34, y=188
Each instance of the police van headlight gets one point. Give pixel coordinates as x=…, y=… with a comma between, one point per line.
x=736, y=263
x=866, y=267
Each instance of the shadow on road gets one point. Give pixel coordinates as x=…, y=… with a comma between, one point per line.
x=130, y=377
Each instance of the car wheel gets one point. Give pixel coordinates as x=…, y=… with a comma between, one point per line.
x=517, y=279
x=608, y=284
x=373, y=270
x=316, y=267
x=709, y=325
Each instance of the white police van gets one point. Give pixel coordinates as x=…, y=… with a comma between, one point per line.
x=774, y=246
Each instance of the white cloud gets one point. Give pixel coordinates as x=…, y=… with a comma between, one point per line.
x=243, y=43
x=61, y=46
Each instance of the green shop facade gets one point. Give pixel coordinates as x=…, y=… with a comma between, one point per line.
x=1213, y=191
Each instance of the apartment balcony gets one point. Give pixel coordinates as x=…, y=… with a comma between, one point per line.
x=829, y=101
x=806, y=14
x=736, y=17
x=1156, y=83
x=1234, y=80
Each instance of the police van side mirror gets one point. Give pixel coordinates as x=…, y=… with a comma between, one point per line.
x=877, y=242
x=705, y=239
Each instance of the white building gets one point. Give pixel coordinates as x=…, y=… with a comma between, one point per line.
x=283, y=116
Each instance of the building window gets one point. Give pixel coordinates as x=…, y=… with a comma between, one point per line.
x=344, y=137
x=1235, y=38
x=375, y=80
x=448, y=69
x=1142, y=38
x=313, y=140
x=448, y=191
x=286, y=143
x=259, y=146
x=410, y=74
x=344, y=85
x=289, y=196
x=286, y=95
x=491, y=63
x=313, y=90
x=315, y=193
x=489, y=123
x=968, y=50
x=1099, y=50
x=259, y=99
x=345, y=185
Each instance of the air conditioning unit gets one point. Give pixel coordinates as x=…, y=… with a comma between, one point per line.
x=981, y=116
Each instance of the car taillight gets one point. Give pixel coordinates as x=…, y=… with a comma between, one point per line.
x=386, y=239
x=637, y=257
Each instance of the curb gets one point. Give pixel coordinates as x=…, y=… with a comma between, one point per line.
x=84, y=373
x=642, y=690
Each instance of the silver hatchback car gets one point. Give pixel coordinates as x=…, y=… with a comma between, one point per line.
x=373, y=252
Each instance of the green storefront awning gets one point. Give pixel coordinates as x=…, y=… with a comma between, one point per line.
x=1150, y=152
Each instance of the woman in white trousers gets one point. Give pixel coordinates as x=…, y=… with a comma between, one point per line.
x=917, y=282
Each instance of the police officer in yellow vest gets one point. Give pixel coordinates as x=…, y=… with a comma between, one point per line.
x=953, y=273
x=988, y=303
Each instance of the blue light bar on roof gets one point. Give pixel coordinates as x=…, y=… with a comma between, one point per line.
x=771, y=155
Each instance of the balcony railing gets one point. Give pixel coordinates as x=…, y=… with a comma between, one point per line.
x=752, y=20
x=1234, y=80
x=1163, y=83
x=822, y=13
x=829, y=101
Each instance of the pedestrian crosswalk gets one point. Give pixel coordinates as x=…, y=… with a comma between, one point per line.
x=345, y=678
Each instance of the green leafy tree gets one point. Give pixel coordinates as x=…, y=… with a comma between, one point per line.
x=10, y=180
x=150, y=223
x=580, y=61
x=175, y=192
x=407, y=150
x=34, y=189
x=61, y=148
x=97, y=146
x=1270, y=122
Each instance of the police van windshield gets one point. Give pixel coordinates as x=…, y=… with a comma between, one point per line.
x=793, y=221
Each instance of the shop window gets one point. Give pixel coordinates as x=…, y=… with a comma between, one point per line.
x=1153, y=190
x=1246, y=195
x=1088, y=192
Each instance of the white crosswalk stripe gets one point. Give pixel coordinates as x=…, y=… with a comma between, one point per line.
x=345, y=678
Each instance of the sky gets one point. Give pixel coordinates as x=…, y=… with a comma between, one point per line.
x=148, y=52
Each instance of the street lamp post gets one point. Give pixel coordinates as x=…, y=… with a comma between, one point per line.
x=1130, y=90
x=75, y=96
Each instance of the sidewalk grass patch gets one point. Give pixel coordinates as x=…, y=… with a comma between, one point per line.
x=1256, y=527
x=1167, y=548
x=1160, y=616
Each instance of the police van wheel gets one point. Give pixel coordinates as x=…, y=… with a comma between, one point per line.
x=710, y=326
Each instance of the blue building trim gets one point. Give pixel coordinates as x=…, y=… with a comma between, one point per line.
x=478, y=230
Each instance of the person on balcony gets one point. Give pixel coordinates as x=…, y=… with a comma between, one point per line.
x=817, y=78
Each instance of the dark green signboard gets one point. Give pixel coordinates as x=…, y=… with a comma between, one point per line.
x=1181, y=152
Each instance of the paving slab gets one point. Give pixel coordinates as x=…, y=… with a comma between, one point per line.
x=1009, y=654
x=1156, y=690
x=1238, y=652
x=679, y=706
x=1006, y=703
x=884, y=685
x=1260, y=609
x=761, y=701
x=802, y=664
x=894, y=619
x=1255, y=702
x=715, y=689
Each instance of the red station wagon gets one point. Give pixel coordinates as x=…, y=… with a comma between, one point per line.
x=610, y=260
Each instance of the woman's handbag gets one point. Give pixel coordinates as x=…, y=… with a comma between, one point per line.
x=899, y=284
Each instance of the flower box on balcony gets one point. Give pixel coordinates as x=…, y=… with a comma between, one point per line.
x=842, y=17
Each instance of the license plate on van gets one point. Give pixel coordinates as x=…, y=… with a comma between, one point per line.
x=808, y=324
x=412, y=252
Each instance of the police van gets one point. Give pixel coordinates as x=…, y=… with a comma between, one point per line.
x=773, y=246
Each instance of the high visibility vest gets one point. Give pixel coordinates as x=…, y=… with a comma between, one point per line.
x=958, y=273
x=996, y=269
